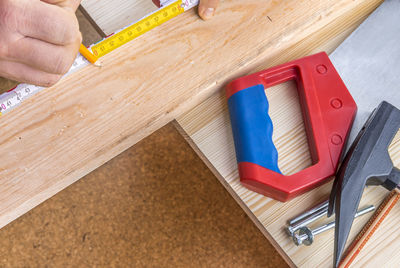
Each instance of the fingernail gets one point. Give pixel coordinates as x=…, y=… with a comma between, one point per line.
x=208, y=13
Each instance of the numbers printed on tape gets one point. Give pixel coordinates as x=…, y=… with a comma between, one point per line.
x=12, y=99
x=131, y=32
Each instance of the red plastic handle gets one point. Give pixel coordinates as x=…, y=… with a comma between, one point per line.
x=328, y=113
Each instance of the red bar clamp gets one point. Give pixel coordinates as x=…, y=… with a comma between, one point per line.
x=328, y=113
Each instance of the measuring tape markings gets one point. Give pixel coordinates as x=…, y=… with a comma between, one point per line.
x=137, y=29
x=14, y=97
x=169, y=9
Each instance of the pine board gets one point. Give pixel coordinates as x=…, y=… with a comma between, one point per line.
x=207, y=128
x=111, y=15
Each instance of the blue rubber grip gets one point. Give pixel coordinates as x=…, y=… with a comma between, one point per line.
x=252, y=128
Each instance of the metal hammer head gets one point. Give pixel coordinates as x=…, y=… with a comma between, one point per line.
x=367, y=163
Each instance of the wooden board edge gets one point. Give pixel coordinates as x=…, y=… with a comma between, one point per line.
x=235, y=196
x=92, y=22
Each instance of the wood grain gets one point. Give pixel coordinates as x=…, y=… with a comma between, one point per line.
x=208, y=130
x=111, y=15
x=370, y=228
x=215, y=142
x=66, y=131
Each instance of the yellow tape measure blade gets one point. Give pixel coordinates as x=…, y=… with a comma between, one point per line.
x=137, y=29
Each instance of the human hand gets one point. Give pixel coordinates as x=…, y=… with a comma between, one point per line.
x=39, y=39
x=207, y=8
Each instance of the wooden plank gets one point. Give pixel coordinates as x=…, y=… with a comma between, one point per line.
x=112, y=15
x=66, y=131
x=208, y=130
x=92, y=23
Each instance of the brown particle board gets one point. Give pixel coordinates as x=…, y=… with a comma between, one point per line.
x=155, y=205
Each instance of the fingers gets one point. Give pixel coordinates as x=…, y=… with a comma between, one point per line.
x=43, y=56
x=26, y=74
x=72, y=4
x=39, y=40
x=49, y=23
x=207, y=8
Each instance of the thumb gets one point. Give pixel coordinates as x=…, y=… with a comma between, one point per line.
x=207, y=8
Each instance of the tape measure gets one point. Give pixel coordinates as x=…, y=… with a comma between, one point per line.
x=17, y=95
x=137, y=29
x=168, y=10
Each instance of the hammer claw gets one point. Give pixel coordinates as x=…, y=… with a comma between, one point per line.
x=367, y=162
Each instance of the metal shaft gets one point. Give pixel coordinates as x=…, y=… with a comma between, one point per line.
x=317, y=213
x=306, y=235
x=332, y=224
x=309, y=212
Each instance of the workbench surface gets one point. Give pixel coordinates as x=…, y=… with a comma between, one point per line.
x=66, y=131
